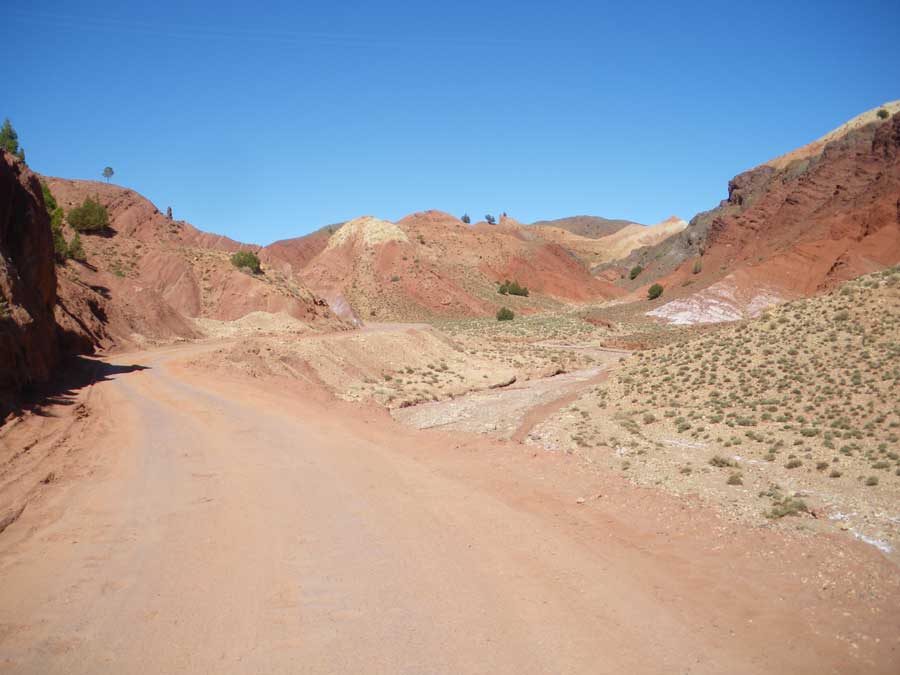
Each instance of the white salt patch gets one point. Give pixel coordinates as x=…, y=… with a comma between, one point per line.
x=882, y=546
x=719, y=303
x=684, y=444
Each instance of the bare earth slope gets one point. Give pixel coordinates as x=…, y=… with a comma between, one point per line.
x=592, y=227
x=606, y=253
x=220, y=525
x=431, y=264
x=151, y=275
x=793, y=227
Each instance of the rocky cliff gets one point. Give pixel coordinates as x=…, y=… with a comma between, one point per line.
x=29, y=349
x=795, y=226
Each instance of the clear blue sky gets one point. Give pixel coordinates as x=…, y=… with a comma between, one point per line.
x=272, y=120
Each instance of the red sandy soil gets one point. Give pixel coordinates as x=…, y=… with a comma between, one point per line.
x=199, y=523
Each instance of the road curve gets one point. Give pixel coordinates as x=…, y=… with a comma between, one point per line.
x=229, y=529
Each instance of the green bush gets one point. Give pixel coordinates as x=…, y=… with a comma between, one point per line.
x=654, y=292
x=635, y=271
x=512, y=288
x=505, y=314
x=698, y=266
x=9, y=140
x=75, y=250
x=246, y=259
x=60, y=248
x=883, y=114
x=49, y=199
x=787, y=506
x=91, y=216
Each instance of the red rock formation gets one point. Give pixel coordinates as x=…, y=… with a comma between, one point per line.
x=817, y=222
x=149, y=276
x=796, y=227
x=432, y=264
x=29, y=350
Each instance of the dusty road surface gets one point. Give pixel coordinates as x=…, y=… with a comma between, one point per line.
x=221, y=525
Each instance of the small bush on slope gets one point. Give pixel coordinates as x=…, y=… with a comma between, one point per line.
x=91, y=216
x=246, y=259
x=75, y=250
x=512, y=288
x=54, y=210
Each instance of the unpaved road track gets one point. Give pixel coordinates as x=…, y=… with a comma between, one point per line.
x=233, y=527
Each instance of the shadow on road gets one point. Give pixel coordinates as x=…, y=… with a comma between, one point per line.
x=77, y=372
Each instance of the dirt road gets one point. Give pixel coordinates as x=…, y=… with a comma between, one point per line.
x=227, y=526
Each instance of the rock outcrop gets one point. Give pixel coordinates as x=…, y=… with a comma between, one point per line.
x=798, y=225
x=29, y=349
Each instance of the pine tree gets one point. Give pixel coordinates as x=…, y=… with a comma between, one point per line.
x=9, y=140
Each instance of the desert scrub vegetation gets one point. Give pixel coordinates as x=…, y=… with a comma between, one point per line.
x=804, y=396
x=75, y=249
x=654, y=292
x=815, y=379
x=512, y=288
x=246, y=260
x=535, y=345
x=91, y=216
x=505, y=314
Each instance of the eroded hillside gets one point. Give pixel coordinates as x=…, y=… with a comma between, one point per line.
x=793, y=227
x=431, y=265
x=148, y=276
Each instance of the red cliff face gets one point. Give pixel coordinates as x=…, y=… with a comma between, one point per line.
x=818, y=221
x=798, y=225
x=28, y=336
